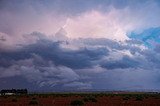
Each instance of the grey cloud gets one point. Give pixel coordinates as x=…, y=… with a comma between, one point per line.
x=128, y=79
x=98, y=64
x=44, y=73
x=125, y=62
x=52, y=51
x=70, y=6
x=80, y=85
x=86, y=63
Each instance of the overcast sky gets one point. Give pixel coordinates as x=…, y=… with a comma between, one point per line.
x=80, y=44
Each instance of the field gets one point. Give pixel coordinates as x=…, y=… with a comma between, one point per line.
x=82, y=99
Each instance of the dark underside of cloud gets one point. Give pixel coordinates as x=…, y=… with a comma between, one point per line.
x=75, y=64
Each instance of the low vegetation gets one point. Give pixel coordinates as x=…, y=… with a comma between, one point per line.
x=14, y=100
x=89, y=99
x=139, y=98
x=126, y=98
x=33, y=101
x=77, y=103
x=80, y=99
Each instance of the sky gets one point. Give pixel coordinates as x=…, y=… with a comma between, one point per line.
x=65, y=45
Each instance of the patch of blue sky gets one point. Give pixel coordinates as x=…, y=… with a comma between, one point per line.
x=150, y=36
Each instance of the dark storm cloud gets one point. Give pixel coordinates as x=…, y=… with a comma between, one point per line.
x=39, y=71
x=51, y=51
x=98, y=64
x=61, y=62
x=75, y=59
x=125, y=62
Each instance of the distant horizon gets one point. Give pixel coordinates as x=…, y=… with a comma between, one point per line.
x=88, y=90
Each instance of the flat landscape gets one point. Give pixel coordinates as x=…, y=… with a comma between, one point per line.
x=82, y=99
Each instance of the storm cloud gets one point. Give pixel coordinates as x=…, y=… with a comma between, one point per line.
x=90, y=63
x=74, y=45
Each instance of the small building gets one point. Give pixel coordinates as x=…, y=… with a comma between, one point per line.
x=14, y=92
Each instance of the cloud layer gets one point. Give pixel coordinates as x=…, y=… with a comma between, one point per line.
x=95, y=19
x=89, y=63
x=55, y=45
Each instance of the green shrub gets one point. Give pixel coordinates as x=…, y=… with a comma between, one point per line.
x=89, y=99
x=77, y=103
x=85, y=99
x=126, y=98
x=45, y=96
x=139, y=98
x=14, y=100
x=93, y=99
x=33, y=102
x=33, y=98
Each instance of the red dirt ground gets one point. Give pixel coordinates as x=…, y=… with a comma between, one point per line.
x=63, y=100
